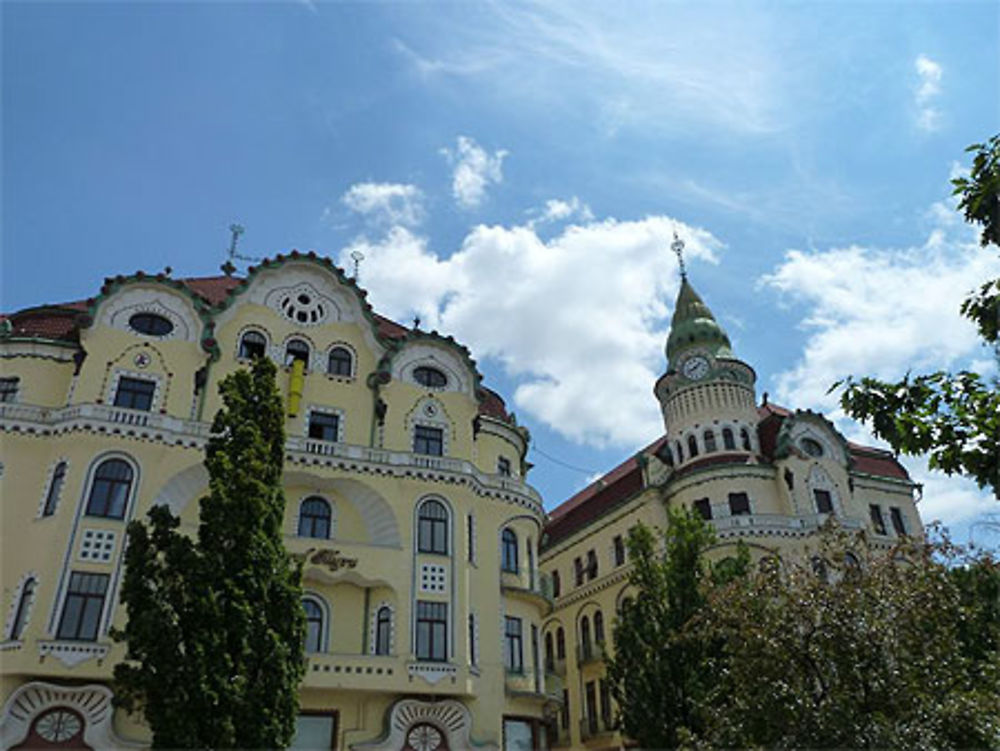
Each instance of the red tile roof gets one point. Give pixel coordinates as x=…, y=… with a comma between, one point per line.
x=873, y=461
x=493, y=405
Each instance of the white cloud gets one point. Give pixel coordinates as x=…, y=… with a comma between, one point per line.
x=557, y=210
x=473, y=170
x=388, y=203
x=882, y=312
x=929, y=74
x=584, y=313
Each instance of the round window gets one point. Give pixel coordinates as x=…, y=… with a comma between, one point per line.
x=150, y=324
x=58, y=725
x=812, y=447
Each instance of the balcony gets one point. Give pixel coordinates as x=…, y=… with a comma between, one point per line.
x=554, y=685
x=595, y=726
x=587, y=653
x=779, y=525
x=522, y=683
x=517, y=585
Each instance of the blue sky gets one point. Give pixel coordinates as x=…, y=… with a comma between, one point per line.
x=513, y=171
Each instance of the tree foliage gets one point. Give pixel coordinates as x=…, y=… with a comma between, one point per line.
x=881, y=651
x=215, y=627
x=953, y=417
x=657, y=671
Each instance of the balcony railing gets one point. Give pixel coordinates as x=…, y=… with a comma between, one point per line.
x=589, y=652
x=595, y=725
x=522, y=682
x=781, y=523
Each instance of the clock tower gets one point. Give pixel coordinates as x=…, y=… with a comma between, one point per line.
x=707, y=395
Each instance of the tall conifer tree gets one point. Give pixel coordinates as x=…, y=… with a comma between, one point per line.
x=215, y=626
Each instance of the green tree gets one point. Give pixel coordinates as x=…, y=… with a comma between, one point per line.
x=657, y=671
x=855, y=652
x=215, y=625
x=955, y=418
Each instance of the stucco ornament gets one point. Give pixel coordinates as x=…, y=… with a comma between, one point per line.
x=426, y=726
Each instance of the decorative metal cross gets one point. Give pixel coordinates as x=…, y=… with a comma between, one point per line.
x=357, y=256
x=678, y=247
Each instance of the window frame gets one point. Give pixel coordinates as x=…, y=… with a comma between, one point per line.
x=334, y=355
x=433, y=615
x=241, y=354
x=427, y=437
x=423, y=375
x=692, y=446
x=306, y=516
x=135, y=390
x=508, y=551
x=898, y=521
x=436, y=541
x=503, y=466
x=55, y=488
x=318, y=618
x=25, y=598
x=291, y=356
x=84, y=609
x=109, y=498
x=823, y=497
x=513, y=639
x=618, y=548
x=739, y=497
x=708, y=436
x=703, y=507
x=317, y=418
x=728, y=439
x=592, y=565
x=382, y=643
x=149, y=316
x=10, y=388
x=599, y=635
x=877, y=519
x=556, y=583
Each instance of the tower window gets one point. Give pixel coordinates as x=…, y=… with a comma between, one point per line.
x=341, y=363
x=824, y=501
x=709, y=437
x=898, y=523
x=110, y=489
x=692, y=446
x=432, y=630
x=503, y=466
x=739, y=504
x=728, y=441
x=432, y=378
x=81, y=614
x=508, y=551
x=135, y=393
x=680, y=452
x=745, y=438
x=703, y=508
x=296, y=349
x=878, y=521
x=252, y=344
x=9, y=388
x=513, y=643
x=432, y=528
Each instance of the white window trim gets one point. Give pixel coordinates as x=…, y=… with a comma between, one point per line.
x=339, y=413
x=298, y=515
x=324, y=632
x=373, y=629
x=354, y=361
x=48, y=486
x=16, y=601
x=239, y=341
x=139, y=375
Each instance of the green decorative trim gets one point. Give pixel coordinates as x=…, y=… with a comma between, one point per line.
x=40, y=340
x=783, y=443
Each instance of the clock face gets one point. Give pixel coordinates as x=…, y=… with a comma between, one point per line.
x=695, y=367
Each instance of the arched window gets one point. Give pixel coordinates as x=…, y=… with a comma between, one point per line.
x=296, y=349
x=745, y=438
x=383, y=630
x=252, y=344
x=508, y=551
x=432, y=528
x=55, y=488
x=709, y=436
x=151, y=324
x=21, y=616
x=341, y=362
x=692, y=446
x=314, y=625
x=599, y=627
x=680, y=452
x=625, y=604
x=110, y=489
x=430, y=377
x=550, y=657
x=560, y=644
x=585, y=647
x=314, y=518
x=728, y=441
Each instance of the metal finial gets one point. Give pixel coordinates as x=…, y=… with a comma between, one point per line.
x=416, y=322
x=678, y=247
x=237, y=230
x=228, y=267
x=357, y=256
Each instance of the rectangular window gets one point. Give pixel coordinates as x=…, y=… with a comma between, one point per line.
x=564, y=715
x=703, y=507
x=503, y=466
x=556, y=585
x=429, y=441
x=591, y=698
x=513, y=647
x=878, y=521
x=578, y=570
x=605, y=690
x=619, y=550
x=591, y=564
x=314, y=732
x=432, y=631
x=81, y=614
x=898, y=522
x=472, y=640
x=739, y=504
x=135, y=393
x=8, y=388
x=824, y=503
x=323, y=426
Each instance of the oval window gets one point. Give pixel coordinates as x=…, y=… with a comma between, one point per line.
x=430, y=377
x=812, y=447
x=151, y=324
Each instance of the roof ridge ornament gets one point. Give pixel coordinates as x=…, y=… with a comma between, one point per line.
x=229, y=267
x=678, y=247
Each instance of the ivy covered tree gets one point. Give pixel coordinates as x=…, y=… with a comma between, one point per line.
x=953, y=417
x=215, y=627
x=657, y=672
x=862, y=651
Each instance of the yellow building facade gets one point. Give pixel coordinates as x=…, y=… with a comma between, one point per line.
x=445, y=609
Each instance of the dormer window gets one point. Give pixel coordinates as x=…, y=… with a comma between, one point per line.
x=812, y=447
x=430, y=377
x=150, y=324
x=252, y=344
x=296, y=349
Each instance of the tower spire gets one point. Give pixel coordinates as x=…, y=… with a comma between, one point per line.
x=678, y=247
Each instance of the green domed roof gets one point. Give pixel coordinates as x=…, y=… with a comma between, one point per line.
x=694, y=326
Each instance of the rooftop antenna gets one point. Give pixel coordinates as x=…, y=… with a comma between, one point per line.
x=357, y=256
x=678, y=247
x=229, y=267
